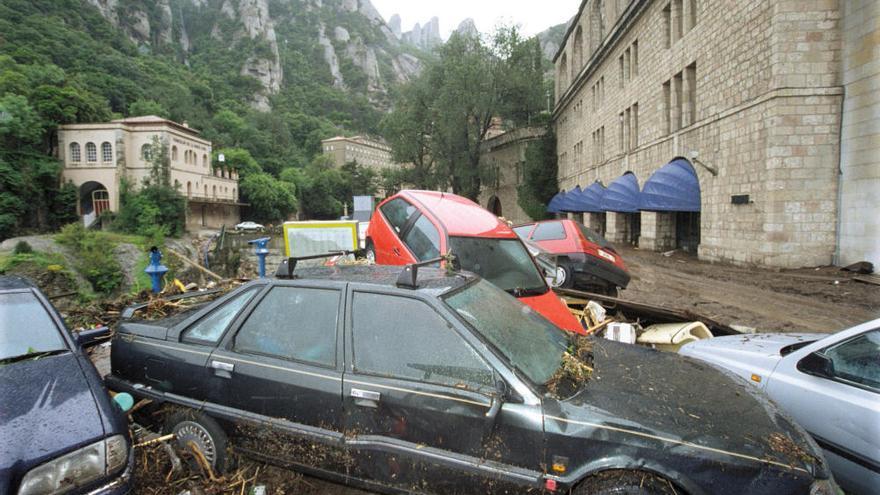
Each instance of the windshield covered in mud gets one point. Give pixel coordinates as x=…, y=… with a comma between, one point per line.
x=26, y=328
x=504, y=262
x=530, y=343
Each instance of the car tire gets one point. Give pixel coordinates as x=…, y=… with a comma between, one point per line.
x=370, y=252
x=625, y=482
x=564, y=272
x=204, y=431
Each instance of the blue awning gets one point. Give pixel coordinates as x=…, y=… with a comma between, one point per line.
x=553, y=205
x=590, y=199
x=569, y=202
x=622, y=195
x=674, y=187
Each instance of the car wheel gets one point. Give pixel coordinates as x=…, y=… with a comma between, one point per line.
x=370, y=252
x=625, y=482
x=564, y=277
x=204, y=432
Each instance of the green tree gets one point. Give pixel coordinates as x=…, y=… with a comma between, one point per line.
x=447, y=111
x=270, y=200
x=409, y=129
x=238, y=159
x=539, y=176
x=147, y=107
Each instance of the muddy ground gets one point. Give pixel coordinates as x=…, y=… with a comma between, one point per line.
x=823, y=299
x=804, y=300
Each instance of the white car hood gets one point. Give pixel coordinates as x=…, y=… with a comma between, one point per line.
x=746, y=355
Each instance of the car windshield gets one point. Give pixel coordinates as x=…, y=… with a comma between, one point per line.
x=530, y=343
x=26, y=327
x=593, y=236
x=504, y=262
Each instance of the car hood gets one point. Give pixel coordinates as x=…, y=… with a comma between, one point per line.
x=676, y=404
x=746, y=354
x=48, y=409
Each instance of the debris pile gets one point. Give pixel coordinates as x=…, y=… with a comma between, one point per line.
x=575, y=370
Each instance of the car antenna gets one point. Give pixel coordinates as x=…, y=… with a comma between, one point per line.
x=286, y=267
x=409, y=277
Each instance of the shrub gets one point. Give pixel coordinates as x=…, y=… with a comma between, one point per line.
x=94, y=257
x=22, y=247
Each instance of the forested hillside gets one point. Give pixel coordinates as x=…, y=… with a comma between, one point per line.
x=272, y=77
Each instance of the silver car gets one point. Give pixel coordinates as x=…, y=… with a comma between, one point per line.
x=829, y=383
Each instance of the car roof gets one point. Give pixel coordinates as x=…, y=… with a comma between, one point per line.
x=11, y=282
x=460, y=216
x=434, y=280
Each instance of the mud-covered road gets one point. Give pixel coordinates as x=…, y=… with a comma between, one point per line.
x=804, y=300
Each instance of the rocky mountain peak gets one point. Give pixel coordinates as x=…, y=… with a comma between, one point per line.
x=467, y=27
x=426, y=37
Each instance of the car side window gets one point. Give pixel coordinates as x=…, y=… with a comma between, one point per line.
x=858, y=360
x=210, y=328
x=423, y=239
x=549, y=231
x=398, y=212
x=405, y=338
x=293, y=323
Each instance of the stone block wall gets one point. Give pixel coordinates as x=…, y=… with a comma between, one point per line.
x=765, y=124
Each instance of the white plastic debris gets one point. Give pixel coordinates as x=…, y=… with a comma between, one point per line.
x=597, y=312
x=621, y=332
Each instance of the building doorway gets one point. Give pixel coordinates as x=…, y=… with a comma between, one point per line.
x=633, y=222
x=94, y=199
x=687, y=231
x=495, y=206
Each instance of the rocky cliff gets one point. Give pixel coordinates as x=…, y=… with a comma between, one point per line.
x=425, y=37
x=358, y=50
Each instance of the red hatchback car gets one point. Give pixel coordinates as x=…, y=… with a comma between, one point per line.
x=414, y=226
x=585, y=260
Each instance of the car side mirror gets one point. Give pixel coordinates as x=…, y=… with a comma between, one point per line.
x=92, y=337
x=816, y=364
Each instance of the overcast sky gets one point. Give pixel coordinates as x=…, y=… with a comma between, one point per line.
x=532, y=16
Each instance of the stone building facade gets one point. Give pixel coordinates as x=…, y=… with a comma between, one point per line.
x=98, y=157
x=772, y=102
x=504, y=155
x=370, y=153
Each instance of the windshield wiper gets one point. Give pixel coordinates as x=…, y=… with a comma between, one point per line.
x=31, y=355
x=520, y=292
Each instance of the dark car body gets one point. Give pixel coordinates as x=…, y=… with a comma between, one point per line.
x=393, y=388
x=53, y=402
x=592, y=262
x=413, y=226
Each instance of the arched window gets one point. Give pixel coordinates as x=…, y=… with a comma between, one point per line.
x=563, y=74
x=91, y=152
x=174, y=153
x=204, y=160
x=75, y=155
x=189, y=189
x=206, y=190
x=577, y=60
x=106, y=152
x=146, y=152
x=233, y=193
x=597, y=24
x=215, y=192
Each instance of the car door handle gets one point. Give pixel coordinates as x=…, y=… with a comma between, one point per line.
x=365, y=398
x=221, y=369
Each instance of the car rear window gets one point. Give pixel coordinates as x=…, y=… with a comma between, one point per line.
x=523, y=230
x=592, y=236
x=549, y=231
x=26, y=327
x=504, y=262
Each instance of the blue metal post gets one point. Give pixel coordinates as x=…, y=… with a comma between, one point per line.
x=261, y=250
x=156, y=269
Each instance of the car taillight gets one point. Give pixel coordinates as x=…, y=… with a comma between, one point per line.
x=605, y=254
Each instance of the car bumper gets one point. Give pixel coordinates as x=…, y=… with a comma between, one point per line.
x=593, y=271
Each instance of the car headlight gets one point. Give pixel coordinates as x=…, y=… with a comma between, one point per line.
x=77, y=468
x=825, y=487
